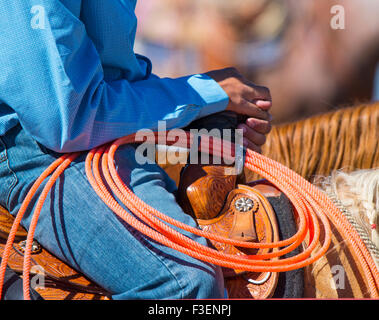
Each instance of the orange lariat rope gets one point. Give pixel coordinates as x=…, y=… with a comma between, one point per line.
x=309, y=202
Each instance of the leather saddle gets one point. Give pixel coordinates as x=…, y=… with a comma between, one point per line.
x=256, y=212
x=61, y=282
x=218, y=203
x=236, y=211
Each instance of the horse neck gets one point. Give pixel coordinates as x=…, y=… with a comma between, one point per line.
x=321, y=144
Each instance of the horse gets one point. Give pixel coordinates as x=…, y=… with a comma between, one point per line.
x=337, y=274
x=338, y=143
x=318, y=145
x=338, y=151
x=343, y=139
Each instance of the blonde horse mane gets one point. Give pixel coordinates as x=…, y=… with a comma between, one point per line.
x=356, y=194
x=346, y=138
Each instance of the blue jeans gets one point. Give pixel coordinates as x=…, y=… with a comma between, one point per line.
x=77, y=227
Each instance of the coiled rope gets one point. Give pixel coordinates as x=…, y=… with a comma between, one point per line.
x=309, y=202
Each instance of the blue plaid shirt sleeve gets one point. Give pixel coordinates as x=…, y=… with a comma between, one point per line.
x=53, y=79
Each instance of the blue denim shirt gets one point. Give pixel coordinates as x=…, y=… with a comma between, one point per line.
x=70, y=77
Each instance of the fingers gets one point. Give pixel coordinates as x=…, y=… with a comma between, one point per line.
x=252, y=135
x=263, y=104
x=261, y=126
x=258, y=92
x=250, y=109
x=250, y=145
x=259, y=95
x=245, y=97
x=262, y=93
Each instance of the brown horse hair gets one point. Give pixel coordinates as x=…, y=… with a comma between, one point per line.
x=344, y=139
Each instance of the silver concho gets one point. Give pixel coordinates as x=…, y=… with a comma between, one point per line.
x=244, y=204
x=36, y=247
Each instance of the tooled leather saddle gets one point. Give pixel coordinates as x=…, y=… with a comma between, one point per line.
x=255, y=212
x=60, y=281
x=224, y=204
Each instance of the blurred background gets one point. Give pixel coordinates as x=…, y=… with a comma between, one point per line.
x=286, y=45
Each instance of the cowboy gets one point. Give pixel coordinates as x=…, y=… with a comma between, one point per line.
x=71, y=82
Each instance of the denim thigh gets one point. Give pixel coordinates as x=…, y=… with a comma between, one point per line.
x=80, y=229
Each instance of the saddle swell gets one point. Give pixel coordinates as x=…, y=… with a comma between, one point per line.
x=235, y=211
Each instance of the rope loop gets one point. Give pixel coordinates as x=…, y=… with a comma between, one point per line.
x=313, y=207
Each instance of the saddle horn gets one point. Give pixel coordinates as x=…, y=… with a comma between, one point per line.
x=223, y=203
